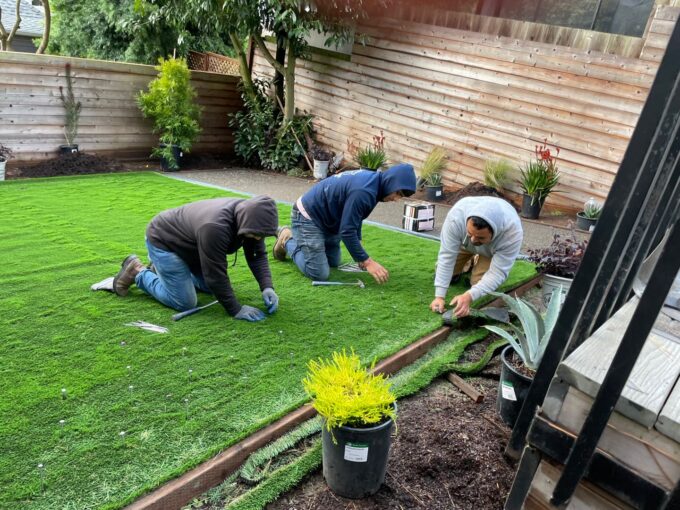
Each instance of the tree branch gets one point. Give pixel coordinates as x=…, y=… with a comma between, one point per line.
x=267, y=54
x=46, y=30
x=16, y=26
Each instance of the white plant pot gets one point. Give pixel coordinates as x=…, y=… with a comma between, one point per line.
x=2, y=170
x=550, y=283
x=321, y=169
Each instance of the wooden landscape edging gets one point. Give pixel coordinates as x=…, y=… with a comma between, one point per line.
x=178, y=492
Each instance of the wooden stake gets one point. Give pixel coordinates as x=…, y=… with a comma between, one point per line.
x=465, y=388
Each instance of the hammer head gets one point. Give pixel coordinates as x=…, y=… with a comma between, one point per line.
x=360, y=284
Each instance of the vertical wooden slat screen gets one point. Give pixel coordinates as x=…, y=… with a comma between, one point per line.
x=32, y=117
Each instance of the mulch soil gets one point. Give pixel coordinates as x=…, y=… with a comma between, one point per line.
x=447, y=453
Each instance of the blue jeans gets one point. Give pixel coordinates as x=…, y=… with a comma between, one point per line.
x=173, y=284
x=313, y=251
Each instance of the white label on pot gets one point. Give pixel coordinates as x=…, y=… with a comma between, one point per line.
x=356, y=452
x=438, y=193
x=508, y=391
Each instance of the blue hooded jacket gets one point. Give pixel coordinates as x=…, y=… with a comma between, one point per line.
x=339, y=204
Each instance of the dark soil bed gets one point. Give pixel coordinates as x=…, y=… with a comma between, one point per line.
x=69, y=164
x=448, y=453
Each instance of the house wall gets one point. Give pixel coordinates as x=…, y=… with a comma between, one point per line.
x=23, y=43
x=483, y=97
x=32, y=116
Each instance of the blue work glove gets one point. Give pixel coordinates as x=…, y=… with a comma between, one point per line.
x=250, y=314
x=271, y=300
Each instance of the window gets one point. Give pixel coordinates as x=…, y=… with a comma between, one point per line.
x=626, y=17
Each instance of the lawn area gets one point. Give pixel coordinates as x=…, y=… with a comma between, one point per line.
x=61, y=235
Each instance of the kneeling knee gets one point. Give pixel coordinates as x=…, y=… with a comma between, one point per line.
x=320, y=275
x=185, y=304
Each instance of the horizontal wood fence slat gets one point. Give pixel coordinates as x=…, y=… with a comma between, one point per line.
x=32, y=116
x=483, y=97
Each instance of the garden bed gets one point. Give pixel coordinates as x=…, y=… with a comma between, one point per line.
x=67, y=233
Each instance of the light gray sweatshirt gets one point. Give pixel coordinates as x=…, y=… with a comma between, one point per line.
x=503, y=248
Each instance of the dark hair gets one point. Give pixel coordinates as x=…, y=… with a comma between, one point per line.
x=407, y=192
x=480, y=223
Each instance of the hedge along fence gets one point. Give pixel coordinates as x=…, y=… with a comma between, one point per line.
x=32, y=116
x=483, y=97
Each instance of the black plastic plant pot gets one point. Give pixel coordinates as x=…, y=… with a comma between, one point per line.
x=434, y=193
x=176, y=154
x=355, y=465
x=583, y=223
x=512, y=389
x=531, y=207
x=68, y=149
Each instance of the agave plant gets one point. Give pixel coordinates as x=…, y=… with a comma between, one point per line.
x=531, y=339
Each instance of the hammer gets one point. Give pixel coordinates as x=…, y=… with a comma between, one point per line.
x=358, y=283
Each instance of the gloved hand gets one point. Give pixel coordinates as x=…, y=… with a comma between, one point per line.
x=271, y=300
x=250, y=314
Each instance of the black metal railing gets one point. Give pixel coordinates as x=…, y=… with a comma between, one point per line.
x=642, y=208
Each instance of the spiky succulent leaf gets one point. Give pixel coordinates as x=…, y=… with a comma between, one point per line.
x=511, y=339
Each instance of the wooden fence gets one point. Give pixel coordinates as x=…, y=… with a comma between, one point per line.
x=483, y=97
x=32, y=116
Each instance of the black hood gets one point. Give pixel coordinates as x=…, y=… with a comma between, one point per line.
x=257, y=216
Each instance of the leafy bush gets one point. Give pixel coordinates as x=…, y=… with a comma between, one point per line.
x=320, y=154
x=540, y=176
x=496, y=173
x=262, y=139
x=531, y=339
x=169, y=102
x=345, y=394
x=371, y=157
x=592, y=209
x=72, y=108
x=561, y=258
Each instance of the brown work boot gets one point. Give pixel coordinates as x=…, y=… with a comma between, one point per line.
x=130, y=268
x=283, y=234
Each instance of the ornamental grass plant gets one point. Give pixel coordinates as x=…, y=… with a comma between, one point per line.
x=346, y=394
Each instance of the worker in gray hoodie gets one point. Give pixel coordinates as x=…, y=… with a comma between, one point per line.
x=484, y=231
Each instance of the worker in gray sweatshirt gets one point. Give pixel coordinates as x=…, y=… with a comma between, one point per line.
x=484, y=231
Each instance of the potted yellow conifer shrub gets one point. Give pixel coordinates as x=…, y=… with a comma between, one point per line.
x=358, y=410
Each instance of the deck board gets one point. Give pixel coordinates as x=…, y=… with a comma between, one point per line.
x=651, y=380
x=669, y=418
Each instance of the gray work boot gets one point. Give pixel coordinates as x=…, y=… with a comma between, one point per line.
x=130, y=268
x=283, y=234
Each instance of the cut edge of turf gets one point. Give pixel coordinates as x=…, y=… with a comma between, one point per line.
x=177, y=492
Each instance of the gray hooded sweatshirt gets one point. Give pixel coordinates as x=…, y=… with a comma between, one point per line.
x=503, y=248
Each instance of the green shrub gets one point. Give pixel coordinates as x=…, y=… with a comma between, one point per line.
x=496, y=173
x=434, y=163
x=262, y=139
x=538, y=181
x=592, y=209
x=345, y=394
x=371, y=158
x=169, y=102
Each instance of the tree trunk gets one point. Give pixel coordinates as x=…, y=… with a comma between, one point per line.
x=5, y=38
x=46, y=30
x=244, y=70
x=281, y=42
x=290, y=84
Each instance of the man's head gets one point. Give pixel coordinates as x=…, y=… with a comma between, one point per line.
x=396, y=182
x=478, y=230
x=257, y=217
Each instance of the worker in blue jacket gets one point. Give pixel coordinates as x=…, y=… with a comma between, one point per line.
x=333, y=210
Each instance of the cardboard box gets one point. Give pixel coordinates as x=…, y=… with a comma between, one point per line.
x=418, y=216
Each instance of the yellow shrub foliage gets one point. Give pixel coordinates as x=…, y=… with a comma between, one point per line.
x=344, y=393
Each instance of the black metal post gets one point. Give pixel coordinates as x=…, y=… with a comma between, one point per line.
x=626, y=355
x=620, y=212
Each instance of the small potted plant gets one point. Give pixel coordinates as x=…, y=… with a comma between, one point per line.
x=372, y=157
x=586, y=219
x=434, y=189
x=435, y=162
x=5, y=155
x=322, y=158
x=358, y=410
x=72, y=109
x=539, y=177
x=527, y=343
x=169, y=102
x=558, y=263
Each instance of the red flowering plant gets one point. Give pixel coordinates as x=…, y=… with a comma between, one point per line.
x=540, y=176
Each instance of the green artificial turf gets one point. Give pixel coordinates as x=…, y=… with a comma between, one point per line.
x=60, y=235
